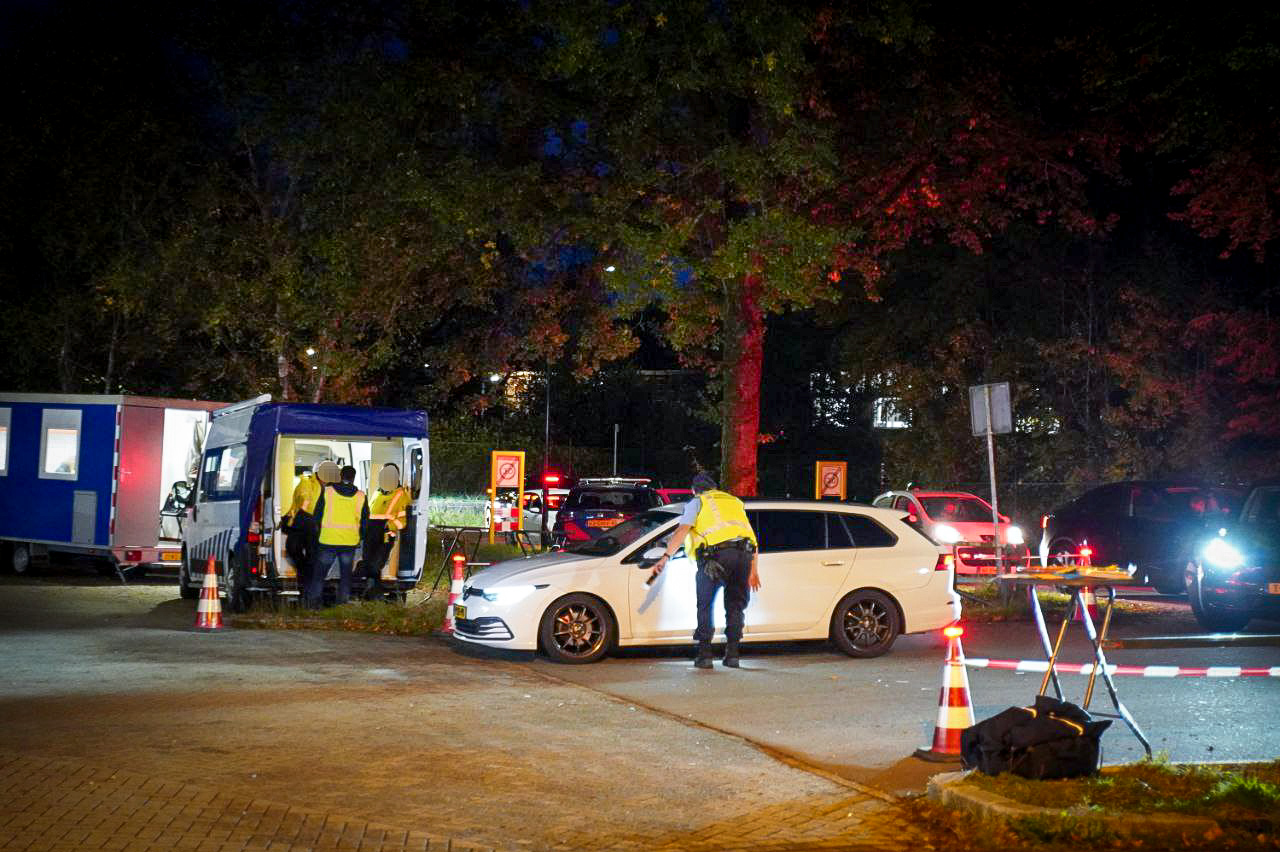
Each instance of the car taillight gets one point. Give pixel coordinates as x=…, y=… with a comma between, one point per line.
x=944, y=563
x=554, y=501
x=574, y=532
x=133, y=556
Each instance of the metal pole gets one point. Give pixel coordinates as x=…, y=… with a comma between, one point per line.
x=615, y=449
x=544, y=529
x=991, y=466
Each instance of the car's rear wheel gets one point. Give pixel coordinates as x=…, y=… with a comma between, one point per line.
x=865, y=624
x=577, y=628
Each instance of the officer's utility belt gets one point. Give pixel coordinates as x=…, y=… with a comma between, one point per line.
x=710, y=551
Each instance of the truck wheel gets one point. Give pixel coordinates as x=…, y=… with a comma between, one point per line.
x=185, y=588
x=236, y=598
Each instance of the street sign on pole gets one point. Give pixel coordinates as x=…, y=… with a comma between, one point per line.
x=506, y=471
x=990, y=404
x=990, y=414
x=830, y=479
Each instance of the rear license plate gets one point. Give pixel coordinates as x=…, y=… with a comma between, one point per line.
x=459, y=611
x=604, y=523
x=1273, y=588
x=170, y=556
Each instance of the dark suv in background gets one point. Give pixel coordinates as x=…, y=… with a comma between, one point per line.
x=595, y=505
x=1235, y=574
x=1152, y=525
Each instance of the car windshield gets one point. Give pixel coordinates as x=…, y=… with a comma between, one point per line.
x=1263, y=507
x=962, y=509
x=624, y=499
x=623, y=535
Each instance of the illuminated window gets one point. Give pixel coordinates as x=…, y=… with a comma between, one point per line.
x=4, y=440
x=60, y=444
x=888, y=413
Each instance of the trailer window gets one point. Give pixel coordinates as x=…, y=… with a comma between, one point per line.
x=60, y=443
x=5, y=414
x=222, y=472
x=415, y=471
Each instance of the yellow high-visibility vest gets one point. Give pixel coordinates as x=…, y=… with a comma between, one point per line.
x=721, y=518
x=340, y=525
x=305, y=495
x=391, y=507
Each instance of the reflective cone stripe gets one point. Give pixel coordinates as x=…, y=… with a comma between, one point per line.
x=455, y=590
x=208, y=607
x=955, y=707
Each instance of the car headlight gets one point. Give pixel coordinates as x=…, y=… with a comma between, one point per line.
x=508, y=594
x=1013, y=535
x=1222, y=554
x=946, y=534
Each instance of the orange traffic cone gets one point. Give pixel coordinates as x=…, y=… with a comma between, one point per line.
x=955, y=709
x=209, y=608
x=1087, y=601
x=455, y=589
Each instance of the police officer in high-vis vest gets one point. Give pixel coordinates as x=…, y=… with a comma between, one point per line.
x=724, y=544
x=299, y=522
x=388, y=514
x=343, y=514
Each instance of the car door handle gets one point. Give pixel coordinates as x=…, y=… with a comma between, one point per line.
x=833, y=563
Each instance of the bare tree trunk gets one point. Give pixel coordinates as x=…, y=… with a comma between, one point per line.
x=282, y=357
x=109, y=378
x=743, y=363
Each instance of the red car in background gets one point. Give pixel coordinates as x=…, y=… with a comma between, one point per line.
x=961, y=519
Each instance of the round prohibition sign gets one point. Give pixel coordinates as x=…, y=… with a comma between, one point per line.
x=506, y=471
x=830, y=480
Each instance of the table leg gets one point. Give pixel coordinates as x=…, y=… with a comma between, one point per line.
x=1100, y=666
x=1051, y=675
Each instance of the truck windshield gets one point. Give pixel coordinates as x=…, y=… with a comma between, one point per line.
x=624, y=534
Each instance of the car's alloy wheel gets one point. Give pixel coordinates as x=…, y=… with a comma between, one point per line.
x=865, y=624
x=577, y=629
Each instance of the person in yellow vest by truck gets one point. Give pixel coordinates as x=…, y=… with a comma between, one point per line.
x=715, y=523
x=388, y=514
x=300, y=521
x=343, y=514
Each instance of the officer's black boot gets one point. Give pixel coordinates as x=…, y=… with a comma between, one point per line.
x=731, y=655
x=703, y=660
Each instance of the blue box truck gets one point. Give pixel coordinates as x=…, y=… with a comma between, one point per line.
x=91, y=475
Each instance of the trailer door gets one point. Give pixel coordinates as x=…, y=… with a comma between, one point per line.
x=419, y=481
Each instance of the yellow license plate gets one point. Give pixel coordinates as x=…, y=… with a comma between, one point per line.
x=1273, y=588
x=170, y=556
x=604, y=523
x=459, y=611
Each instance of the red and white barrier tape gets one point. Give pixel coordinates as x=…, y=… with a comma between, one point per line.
x=1113, y=669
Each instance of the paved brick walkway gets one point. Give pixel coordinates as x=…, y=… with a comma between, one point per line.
x=49, y=805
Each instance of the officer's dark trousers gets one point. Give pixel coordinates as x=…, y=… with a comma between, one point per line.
x=300, y=545
x=376, y=551
x=737, y=569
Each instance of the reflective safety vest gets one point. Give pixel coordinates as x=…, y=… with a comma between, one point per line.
x=721, y=518
x=305, y=495
x=391, y=507
x=340, y=525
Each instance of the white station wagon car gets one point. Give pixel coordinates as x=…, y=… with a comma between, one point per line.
x=855, y=574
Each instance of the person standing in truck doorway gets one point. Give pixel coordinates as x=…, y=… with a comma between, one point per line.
x=343, y=515
x=725, y=546
x=388, y=514
x=300, y=521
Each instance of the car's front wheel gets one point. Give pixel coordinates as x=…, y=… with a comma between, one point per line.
x=577, y=628
x=865, y=624
x=1214, y=616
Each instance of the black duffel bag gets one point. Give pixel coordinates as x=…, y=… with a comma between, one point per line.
x=1052, y=739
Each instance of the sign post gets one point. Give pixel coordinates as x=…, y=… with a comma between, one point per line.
x=989, y=414
x=506, y=470
x=830, y=479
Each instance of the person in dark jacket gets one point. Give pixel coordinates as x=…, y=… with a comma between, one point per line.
x=343, y=515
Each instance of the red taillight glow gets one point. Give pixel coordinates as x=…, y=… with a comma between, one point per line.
x=133, y=555
x=1086, y=551
x=550, y=478
x=554, y=500
x=458, y=558
x=574, y=532
x=944, y=563
x=911, y=519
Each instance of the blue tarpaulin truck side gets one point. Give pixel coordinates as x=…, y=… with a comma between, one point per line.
x=89, y=475
x=253, y=458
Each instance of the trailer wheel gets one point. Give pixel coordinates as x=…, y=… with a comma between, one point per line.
x=20, y=560
x=185, y=589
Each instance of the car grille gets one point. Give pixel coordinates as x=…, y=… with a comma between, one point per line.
x=489, y=627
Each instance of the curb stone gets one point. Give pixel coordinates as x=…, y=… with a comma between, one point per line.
x=948, y=789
